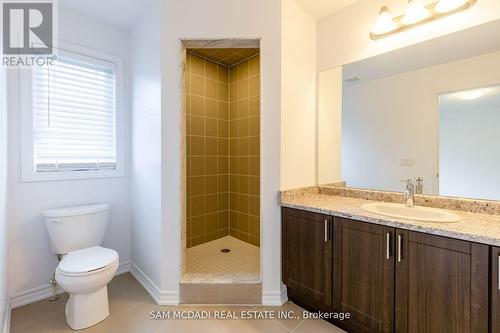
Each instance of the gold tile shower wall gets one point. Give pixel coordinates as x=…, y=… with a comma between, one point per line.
x=207, y=125
x=244, y=151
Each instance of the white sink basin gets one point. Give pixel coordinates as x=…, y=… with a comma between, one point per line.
x=417, y=213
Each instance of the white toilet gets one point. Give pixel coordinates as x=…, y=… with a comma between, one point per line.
x=85, y=268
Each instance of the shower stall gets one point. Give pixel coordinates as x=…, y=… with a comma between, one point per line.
x=221, y=233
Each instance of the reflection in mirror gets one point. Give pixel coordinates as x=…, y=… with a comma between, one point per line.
x=469, y=143
x=429, y=111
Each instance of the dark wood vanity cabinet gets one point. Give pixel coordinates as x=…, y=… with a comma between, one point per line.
x=389, y=280
x=363, y=275
x=307, y=258
x=495, y=290
x=441, y=284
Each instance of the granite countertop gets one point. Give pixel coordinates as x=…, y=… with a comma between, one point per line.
x=474, y=227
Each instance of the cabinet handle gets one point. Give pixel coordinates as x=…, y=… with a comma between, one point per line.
x=388, y=246
x=498, y=269
x=326, y=231
x=400, y=244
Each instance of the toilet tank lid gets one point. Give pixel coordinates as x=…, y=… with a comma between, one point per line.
x=75, y=211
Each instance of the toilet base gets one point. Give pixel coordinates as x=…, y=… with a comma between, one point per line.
x=85, y=310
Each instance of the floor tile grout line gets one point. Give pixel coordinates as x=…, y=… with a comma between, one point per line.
x=301, y=322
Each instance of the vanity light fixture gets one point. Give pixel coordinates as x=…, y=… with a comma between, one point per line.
x=416, y=14
x=385, y=22
x=445, y=6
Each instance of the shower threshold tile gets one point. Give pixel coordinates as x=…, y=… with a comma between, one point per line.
x=221, y=278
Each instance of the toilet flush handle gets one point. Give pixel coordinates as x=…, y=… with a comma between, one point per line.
x=56, y=220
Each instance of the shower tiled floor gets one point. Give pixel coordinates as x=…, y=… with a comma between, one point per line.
x=206, y=263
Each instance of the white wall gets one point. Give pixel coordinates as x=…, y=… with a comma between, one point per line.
x=387, y=119
x=344, y=37
x=469, y=158
x=207, y=20
x=298, y=97
x=146, y=144
x=31, y=261
x=329, y=126
x=4, y=294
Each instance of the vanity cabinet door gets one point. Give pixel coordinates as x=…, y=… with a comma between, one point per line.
x=307, y=258
x=363, y=275
x=495, y=289
x=441, y=284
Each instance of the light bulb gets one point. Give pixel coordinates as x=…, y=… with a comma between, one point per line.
x=469, y=95
x=445, y=6
x=415, y=13
x=384, y=23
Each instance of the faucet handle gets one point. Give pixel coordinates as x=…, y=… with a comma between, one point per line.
x=419, y=185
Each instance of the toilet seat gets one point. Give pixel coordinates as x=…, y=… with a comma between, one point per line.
x=87, y=261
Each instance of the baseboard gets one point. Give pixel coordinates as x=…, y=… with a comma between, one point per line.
x=6, y=323
x=284, y=294
x=123, y=268
x=33, y=295
x=44, y=292
x=161, y=297
x=275, y=298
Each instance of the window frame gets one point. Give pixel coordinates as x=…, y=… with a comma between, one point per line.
x=28, y=172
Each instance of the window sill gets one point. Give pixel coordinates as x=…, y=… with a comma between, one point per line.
x=28, y=177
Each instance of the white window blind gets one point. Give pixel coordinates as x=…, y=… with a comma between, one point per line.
x=74, y=115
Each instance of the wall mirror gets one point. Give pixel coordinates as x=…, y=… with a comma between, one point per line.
x=429, y=111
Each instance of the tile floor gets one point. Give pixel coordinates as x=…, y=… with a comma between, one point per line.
x=130, y=307
x=206, y=263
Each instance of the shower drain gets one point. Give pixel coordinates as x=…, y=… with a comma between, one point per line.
x=225, y=250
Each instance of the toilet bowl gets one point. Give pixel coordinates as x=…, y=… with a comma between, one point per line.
x=86, y=268
x=84, y=275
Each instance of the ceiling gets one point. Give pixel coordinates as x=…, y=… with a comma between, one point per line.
x=226, y=56
x=323, y=8
x=120, y=13
x=123, y=13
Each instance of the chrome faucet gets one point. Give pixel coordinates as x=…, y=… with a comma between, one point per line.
x=410, y=192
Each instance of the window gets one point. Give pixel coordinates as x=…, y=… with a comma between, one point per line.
x=73, y=117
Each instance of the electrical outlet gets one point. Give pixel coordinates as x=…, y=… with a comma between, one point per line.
x=407, y=162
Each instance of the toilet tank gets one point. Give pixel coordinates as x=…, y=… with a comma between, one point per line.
x=75, y=228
